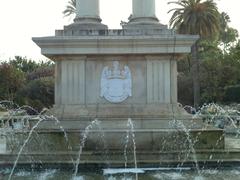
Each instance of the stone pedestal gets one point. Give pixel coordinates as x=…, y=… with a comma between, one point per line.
x=151, y=60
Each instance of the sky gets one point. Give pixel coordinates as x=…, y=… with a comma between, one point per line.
x=23, y=19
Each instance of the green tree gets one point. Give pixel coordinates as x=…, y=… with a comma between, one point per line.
x=219, y=70
x=40, y=72
x=25, y=81
x=234, y=52
x=70, y=8
x=211, y=74
x=227, y=34
x=38, y=93
x=195, y=17
x=28, y=65
x=11, y=80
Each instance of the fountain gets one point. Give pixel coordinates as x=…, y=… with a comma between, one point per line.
x=115, y=102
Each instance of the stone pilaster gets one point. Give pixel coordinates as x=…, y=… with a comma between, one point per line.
x=158, y=80
x=70, y=80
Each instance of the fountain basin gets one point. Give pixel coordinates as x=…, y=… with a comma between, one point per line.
x=176, y=143
x=146, y=140
x=105, y=144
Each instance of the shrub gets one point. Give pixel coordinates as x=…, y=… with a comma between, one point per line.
x=38, y=93
x=11, y=79
x=232, y=93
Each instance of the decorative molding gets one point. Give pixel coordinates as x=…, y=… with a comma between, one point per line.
x=102, y=45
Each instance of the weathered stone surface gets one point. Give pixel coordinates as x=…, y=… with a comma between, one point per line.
x=93, y=43
x=147, y=140
x=3, y=144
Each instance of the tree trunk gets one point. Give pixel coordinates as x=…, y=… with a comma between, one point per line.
x=195, y=75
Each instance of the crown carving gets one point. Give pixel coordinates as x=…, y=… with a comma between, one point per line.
x=116, y=72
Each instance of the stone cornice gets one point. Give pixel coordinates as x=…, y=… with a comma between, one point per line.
x=86, y=45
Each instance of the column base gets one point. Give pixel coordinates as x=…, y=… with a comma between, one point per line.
x=144, y=23
x=88, y=19
x=83, y=24
x=144, y=20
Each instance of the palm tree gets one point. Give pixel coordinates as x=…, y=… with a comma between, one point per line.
x=70, y=8
x=195, y=17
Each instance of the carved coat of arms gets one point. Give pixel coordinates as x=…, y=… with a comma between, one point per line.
x=116, y=83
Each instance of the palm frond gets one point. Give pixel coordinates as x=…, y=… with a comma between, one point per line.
x=70, y=8
x=195, y=17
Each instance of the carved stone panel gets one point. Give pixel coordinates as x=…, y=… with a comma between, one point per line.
x=116, y=83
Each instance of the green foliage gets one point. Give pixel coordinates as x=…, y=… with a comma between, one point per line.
x=185, y=89
x=234, y=53
x=27, y=82
x=70, y=8
x=40, y=72
x=232, y=94
x=23, y=64
x=26, y=65
x=38, y=93
x=227, y=34
x=185, y=83
x=210, y=71
x=199, y=17
x=215, y=61
x=11, y=80
x=218, y=70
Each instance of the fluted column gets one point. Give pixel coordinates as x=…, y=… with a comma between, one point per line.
x=143, y=11
x=87, y=11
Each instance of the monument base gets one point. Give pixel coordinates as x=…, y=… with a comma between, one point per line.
x=108, y=142
x=167, y=111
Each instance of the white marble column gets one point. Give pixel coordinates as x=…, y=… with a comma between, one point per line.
x=87, y=11
x=143, y=11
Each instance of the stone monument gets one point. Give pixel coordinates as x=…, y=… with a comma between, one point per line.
x=114, y=75
x=142, y=58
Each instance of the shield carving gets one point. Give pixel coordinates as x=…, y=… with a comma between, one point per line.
x=116, y=84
